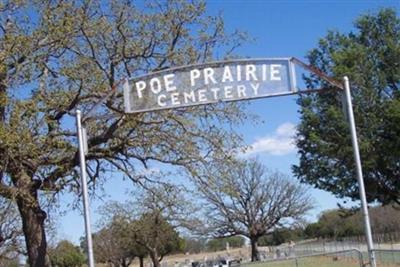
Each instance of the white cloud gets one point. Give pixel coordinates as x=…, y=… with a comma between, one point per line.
x=280, y=143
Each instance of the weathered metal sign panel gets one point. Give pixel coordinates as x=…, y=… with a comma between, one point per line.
x=209, y=83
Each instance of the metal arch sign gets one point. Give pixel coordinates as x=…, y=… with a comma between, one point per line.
x=210, y=83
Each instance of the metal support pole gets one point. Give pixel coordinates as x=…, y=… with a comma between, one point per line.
x=360, y=178
x=84, y=190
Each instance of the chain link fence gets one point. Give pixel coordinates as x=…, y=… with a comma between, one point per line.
x=382, y=242
x=345, y=258
x=345, y=252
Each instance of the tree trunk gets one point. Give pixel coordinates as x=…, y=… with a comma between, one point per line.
x=33, y=218
x=141, y=264
x=254, y=249
x=154, y=258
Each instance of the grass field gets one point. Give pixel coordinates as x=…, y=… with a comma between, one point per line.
x=311, y=262
x=387, y=258
x=320, y=261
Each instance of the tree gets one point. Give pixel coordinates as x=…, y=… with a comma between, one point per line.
x=143, y=227
x=370, y=56
x=384, y=219
x=162, y=210
x=340, y=223
x=57, y=56
x=156, y=236
x=218, y=244
x=282, y=235
x=65, y=254
x=312, y=230
x=194, y=245
x=114, y=244
x=10, y=231
x=246, y=199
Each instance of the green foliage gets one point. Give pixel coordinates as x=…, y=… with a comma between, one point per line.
x=340, y=223
x=218, y=244
x=59, y=56
x=335, y=224
x=280, y=236
x=10, y=263
x=312, y=230
x=138, y=230
x=370, y=57
x=65, y=254
x=114, y=244
x=195, y=245
x=152, y=230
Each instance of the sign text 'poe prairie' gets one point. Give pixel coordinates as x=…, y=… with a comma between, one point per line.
x=209, y=83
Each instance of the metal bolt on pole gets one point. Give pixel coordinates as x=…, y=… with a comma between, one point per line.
x=360, y=178
x=84, y=190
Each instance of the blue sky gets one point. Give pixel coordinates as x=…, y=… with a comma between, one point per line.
x=280, y=29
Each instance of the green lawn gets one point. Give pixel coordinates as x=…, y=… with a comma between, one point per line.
x=387, y=258
x=325, y=261
x=311, y=262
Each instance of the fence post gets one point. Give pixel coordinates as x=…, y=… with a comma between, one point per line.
x=361, y=258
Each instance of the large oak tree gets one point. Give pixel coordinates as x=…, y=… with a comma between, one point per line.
x=57, y=56
x=249, y=200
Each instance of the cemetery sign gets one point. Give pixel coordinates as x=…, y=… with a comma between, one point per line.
x=210, y=83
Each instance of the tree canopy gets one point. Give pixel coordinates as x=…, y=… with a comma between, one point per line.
x=156, y=236
x=57, y=56
x=341, y=223
x=370, y=57
x=249, y=200
x=115, y=244
x=65, y=254
x=140, y=228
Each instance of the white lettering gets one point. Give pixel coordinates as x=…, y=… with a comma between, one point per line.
x=251, y=71
x=209, y=76
x=264, y=72
x=215, y=91
x=228, y=92
x=188, y=96
x=227, y=75
x=169, y=81
x=238, y=73
x=255, y=87
x=202, y=95
x=161, y=103
x=194, y=74
x=155, y=85
x=140, y=86
x=275, y=70
x=241, y=91
x=175, y=99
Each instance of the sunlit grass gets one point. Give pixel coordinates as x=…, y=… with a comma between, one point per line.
x=327, y=261
x=311, y=262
